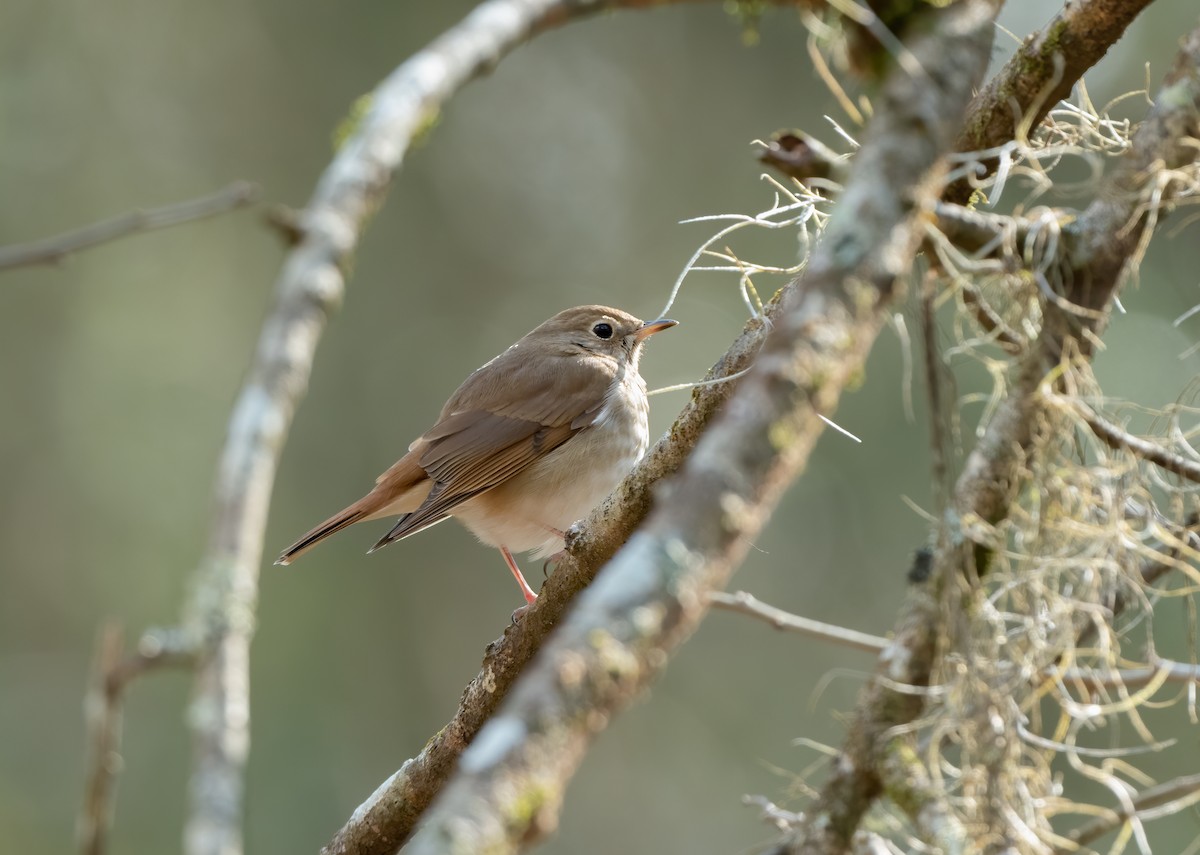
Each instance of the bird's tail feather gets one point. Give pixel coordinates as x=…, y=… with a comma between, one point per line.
x=334, y=524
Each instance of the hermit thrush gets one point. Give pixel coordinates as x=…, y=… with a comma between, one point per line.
x=529, y=444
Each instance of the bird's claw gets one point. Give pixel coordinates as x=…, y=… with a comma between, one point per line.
x=553, y=561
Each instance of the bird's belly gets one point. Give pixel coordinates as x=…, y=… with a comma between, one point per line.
x=532, y=509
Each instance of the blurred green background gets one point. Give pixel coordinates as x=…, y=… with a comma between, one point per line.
x=557, y=180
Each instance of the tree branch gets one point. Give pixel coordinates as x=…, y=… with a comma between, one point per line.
x=1040, y=74
x=1133, y=678
x=1177, y=793
x=218, y=618
x=653, y=593
x=749, y=605
x=1120, y=440
x=908, y=785
x=52, y=250
x=222, y=606
x=1160, y=669
x=1112, y=224
x=112, y=671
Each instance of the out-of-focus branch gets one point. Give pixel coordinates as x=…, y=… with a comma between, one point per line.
x=1169, y=797
x=909, y=786
x=222, y=606
x=54, y=249
x=112, y=671
x=1133, y=678
x=804, y=157
x=651, y=596
x=748, y=604
x=1120, y=440
x=1112, y=225
x=219, y=615
x=1112, y=233
x=1040, y=74
x=975, y=231
x=1089, y=678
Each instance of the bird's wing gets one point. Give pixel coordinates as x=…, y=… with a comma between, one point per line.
x=471, y=450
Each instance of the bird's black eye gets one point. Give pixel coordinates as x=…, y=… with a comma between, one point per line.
x=603, y=330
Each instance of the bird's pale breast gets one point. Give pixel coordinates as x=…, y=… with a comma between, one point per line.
x=529, y=511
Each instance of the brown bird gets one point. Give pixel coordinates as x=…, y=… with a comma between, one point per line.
x=527, y=445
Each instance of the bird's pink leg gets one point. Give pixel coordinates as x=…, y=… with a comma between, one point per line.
x=530, y=596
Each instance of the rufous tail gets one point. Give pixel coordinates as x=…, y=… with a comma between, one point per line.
x=334, y=524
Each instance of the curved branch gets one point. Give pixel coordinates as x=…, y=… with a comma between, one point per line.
x=654, y=592
x=220, y=612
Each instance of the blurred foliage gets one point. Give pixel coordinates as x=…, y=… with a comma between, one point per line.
x=557, y=180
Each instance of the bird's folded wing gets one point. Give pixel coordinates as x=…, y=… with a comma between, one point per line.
x=486, y=435
x=470, y=453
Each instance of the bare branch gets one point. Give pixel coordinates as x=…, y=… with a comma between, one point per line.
x=112, y=671
x=654, y=592
x=778, y=618
x=1162, y=670
x=52, y=250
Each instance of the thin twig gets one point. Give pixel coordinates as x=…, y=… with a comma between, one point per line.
x=750, y=605
x=742, y=602
x=802, y=156
x=1133, y=678
x=54, y=249
x=1119, y=440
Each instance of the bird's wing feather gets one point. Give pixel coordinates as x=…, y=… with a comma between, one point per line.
x=482, y=439
x=473, y=466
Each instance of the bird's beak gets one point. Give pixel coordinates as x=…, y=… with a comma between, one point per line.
x=651, y=327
